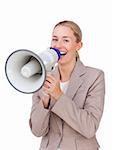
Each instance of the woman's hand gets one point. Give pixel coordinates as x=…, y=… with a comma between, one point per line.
x=52, y=87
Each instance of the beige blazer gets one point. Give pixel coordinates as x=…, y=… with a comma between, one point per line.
x=71, y=122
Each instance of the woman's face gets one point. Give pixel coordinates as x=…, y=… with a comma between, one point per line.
x=64, y=40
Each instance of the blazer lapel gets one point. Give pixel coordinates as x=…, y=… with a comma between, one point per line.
x=76, y=79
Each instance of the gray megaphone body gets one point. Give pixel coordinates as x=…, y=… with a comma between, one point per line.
x=26, y=71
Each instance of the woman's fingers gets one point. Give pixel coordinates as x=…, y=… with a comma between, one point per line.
x=50, y=78
x=47, y=84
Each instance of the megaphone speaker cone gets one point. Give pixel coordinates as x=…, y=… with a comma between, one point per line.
x=25, y=74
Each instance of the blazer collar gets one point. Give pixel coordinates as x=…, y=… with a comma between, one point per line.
x=76, y=78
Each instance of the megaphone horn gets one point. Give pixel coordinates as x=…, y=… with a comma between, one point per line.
x=26, y=71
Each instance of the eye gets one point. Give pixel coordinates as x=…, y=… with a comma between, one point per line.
x=66, y=40
x=54, y=40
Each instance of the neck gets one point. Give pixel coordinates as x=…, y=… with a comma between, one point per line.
x=66, y=70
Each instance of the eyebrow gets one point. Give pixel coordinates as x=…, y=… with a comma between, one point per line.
x=62, y=37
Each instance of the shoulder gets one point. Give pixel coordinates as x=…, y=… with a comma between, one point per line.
x=94, y=74
x=93, y=71
x=89, y=71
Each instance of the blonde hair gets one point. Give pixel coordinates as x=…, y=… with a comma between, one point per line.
x=75, y=28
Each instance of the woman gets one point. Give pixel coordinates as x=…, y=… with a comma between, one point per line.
x=67, y=111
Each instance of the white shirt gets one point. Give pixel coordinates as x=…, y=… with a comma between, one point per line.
x=64, y=86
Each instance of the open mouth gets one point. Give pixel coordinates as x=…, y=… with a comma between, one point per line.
x=63, y=53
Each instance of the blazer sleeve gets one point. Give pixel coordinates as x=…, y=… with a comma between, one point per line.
x=39, y=117
x=83, y=120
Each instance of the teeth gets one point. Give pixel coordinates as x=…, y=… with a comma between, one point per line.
x=63, y=53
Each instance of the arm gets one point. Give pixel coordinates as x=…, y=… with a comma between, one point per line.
x=39, y=118
x=85, y=120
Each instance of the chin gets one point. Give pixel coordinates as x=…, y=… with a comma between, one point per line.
x=62, y=61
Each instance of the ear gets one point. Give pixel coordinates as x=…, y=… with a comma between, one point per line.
x=79, y=45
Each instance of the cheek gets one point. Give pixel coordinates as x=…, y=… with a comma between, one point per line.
x=72, y=50
x=71, y=47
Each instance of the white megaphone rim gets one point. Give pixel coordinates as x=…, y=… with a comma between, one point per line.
x=37, y=57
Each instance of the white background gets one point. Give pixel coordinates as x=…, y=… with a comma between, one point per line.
x=28, y=24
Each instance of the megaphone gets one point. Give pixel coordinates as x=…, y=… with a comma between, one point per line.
x=26, y=70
